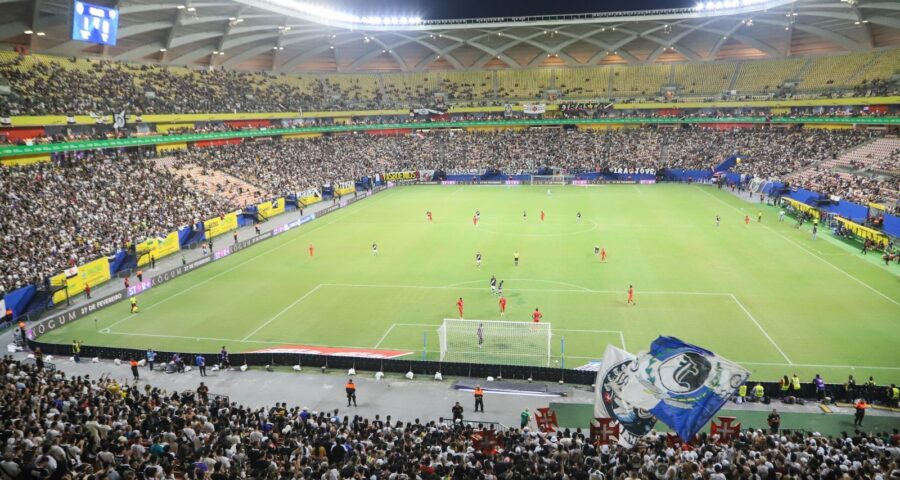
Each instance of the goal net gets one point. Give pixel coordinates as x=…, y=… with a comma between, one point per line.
x=495, y=341
x=552, y=179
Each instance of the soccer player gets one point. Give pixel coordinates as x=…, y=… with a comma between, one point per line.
x=717, y=220
x=524, y=215
x=536, y=316
x=603, y=255
x=578, y=217
x=134, y=307
x=758, y=217
x=374, y=249
x=480, y=334
x=475, y=220
x=500, y=289
x=596, y=249
x=478, y=214
x=747, y=219
x=312, y=250
x=428, y=214
x=502, y=305
x=549, y=193
x=516, y=259
x=542, y=215
x=459, y=306
x=631, y=296
x=493, y=284
x=478, y=259
x=815, y=230
x=781, y=215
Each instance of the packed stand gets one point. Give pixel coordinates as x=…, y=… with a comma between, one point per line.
x=78, y=208
x=59, y=426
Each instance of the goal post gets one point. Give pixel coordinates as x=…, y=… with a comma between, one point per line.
x=552, y=179
x=495, y=341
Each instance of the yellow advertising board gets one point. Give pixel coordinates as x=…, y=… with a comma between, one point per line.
x=864, y=232
x=171, y=147
x=309, y=200
x=802, y=207
x=270, y=209
x=157, y=248
x=92, y=273
x=26, y=160
x=218, y=225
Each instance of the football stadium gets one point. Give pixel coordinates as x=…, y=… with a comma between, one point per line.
x=590, y=240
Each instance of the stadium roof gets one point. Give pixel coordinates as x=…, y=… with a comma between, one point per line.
x=289, y=36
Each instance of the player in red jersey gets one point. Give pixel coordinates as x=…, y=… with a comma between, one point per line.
x=631, y=295
x=542, y=215
x=747, y=219
x=428, y=214
x=312, y=250
x=459, y=306
x=536, y=316
x=603, y=255
x=502, y=305
x=475, y=220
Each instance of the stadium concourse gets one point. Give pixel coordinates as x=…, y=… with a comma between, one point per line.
x=94, y=189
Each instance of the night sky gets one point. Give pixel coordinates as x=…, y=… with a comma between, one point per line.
x=443, y=9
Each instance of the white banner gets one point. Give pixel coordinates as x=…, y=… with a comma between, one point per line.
x=534, y=108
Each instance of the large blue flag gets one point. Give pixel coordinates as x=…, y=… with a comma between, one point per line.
x=682, y=385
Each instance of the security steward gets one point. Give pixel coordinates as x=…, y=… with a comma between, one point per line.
x=351, y=392
x=479, y=398
x=894, y=395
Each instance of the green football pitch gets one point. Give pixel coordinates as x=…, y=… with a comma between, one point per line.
x=765, y=294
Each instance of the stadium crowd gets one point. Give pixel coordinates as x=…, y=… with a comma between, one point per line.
x=56, y=426
x=85, y=205
x=90, y=204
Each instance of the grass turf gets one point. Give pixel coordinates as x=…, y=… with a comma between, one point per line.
x=765, y=295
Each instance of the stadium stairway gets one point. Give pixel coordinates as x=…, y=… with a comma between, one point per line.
x=215, y=182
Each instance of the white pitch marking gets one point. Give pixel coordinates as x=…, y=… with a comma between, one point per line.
x=282, y=312
x=385, y=335
x=801, y=247
x=761, y=329
x=241, y=264
x=638, y=189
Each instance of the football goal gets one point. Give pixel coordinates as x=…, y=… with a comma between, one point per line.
x=495, y=341
x=552, y=179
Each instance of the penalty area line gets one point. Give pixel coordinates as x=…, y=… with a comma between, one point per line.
x=761, y=329
x=282, y=312
x=388, y=332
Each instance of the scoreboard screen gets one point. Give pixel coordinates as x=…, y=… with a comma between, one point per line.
x=94, y=24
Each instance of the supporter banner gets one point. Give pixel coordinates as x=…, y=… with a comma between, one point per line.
x=165, y=127
x=634, y=171
x=401, y=176
x=157, y=248
x=270, y=209
x=682, y=385
x=534, y=108
x=864, y=232
x=343, y=188
x=802, y=207
x=219, y=225
x=615, y=373
x=171, y=147
x=92, y=273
